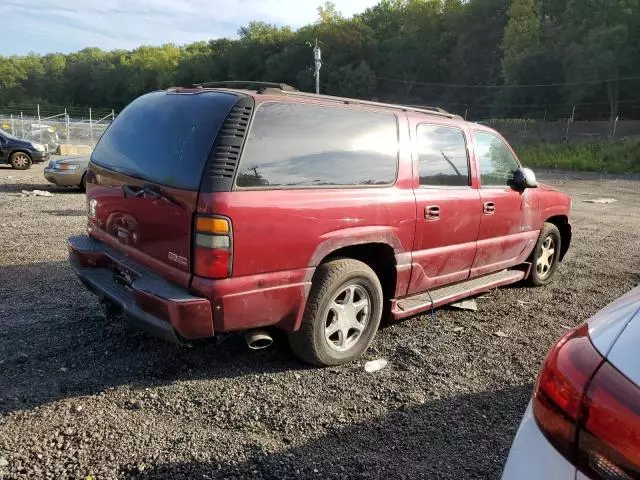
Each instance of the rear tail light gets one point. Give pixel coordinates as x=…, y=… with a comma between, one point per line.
x=588, y=410
x=609, y=440
x=212, y=247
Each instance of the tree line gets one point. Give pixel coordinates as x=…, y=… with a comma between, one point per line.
x=483, y=58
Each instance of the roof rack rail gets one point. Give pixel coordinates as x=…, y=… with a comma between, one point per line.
x=234, y=83
x=430, y=110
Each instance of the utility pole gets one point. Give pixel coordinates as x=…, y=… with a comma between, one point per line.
x=317, y=57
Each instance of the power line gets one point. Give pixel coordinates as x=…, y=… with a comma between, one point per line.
x=539, y=85
x=539, y=105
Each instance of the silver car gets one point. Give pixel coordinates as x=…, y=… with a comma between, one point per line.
x=583, y=421
x=67, y=172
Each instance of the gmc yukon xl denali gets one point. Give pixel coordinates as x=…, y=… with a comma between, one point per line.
x=219, y=208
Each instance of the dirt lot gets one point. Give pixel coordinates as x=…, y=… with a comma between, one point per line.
x=80, y=396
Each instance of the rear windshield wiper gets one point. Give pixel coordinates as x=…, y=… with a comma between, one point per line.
x=146, y=191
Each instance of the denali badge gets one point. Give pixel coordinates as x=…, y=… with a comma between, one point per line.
x=177, y=259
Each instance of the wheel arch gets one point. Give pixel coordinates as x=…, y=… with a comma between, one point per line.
x=562, y=222
x=19, y=150
x=379, y=256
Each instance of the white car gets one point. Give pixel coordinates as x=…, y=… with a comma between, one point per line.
x=583, y=421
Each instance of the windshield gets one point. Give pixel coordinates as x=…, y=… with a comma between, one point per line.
x=7, y=135
x=164, y=138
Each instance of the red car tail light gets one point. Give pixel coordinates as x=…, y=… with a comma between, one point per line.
x=588, y=410
x=213, y=246
x=609, y=440
x=561, y=386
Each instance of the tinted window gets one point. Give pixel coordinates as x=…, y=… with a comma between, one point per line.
x=164, y=138
x=298, y=145
x=442, y=156
x=497, y=163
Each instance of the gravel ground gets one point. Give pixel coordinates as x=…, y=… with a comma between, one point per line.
x=83, y=397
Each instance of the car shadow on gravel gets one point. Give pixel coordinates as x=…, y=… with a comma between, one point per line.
x=466, y=436
x=55, y=343
x=48, y=187
x=66, y=213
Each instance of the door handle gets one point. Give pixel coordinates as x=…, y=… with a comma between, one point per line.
x=432, y=213
x=489, y=208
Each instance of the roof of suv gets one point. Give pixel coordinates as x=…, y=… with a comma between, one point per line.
x=282, y=90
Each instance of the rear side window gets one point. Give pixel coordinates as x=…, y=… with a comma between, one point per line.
x=164, y=138
x=497, y=163
x=442, y=156
x=302, y=145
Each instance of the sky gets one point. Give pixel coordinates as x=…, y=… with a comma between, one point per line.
x=45, y=26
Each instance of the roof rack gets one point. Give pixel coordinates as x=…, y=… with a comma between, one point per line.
x=355, y=101
x=236, y=83
x=283, y=87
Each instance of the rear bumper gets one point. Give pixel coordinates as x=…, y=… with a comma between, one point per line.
x=64, y=178
x=160, y=307
x=532, y=457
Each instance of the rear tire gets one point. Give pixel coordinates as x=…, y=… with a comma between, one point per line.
x=83, y=183
x=342, y=314
x=20, y=161
x=546, y=256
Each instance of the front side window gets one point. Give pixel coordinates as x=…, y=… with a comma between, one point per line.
x=304, y=145
x=442, y=156
x=497, y=163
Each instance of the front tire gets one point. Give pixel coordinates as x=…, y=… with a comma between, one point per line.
x=546, y=256
x=20, y=161
x=342, y=314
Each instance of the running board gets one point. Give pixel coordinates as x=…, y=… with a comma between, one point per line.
x=448, y=294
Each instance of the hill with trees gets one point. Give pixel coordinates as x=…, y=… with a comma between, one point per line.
x=488, y=58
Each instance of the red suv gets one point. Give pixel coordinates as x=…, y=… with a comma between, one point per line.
x=219, y=209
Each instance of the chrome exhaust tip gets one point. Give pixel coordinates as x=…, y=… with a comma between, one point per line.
x=258, y=339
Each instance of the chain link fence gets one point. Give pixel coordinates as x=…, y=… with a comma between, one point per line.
x=64, y=131
x=76, y=130
x=529, y=132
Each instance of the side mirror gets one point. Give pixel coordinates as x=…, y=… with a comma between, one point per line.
x=524, y=178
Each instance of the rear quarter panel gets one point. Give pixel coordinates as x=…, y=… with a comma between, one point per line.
x=280, y=235
x=288, y=229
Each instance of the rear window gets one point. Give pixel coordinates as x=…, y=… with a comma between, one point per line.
x=164, y=138
x=302, y=145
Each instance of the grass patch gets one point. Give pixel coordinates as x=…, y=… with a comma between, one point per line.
x=607, y=157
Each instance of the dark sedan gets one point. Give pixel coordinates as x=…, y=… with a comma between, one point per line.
x=20, y=154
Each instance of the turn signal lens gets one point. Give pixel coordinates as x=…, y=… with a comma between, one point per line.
x=219, y=226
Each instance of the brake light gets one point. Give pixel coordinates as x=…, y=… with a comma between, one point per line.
x=609, y=441
x=213, y=247
x=588, y=410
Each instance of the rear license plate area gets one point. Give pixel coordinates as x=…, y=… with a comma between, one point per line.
x=123, y=276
